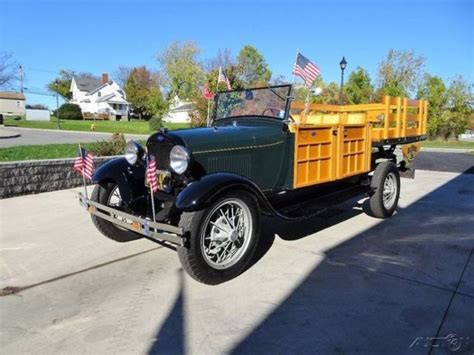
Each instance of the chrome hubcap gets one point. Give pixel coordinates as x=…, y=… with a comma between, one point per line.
x=226, y=234
x=115, y=200
x=389, y=191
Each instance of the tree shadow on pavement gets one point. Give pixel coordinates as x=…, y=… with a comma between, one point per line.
x=378, y=292
x=383, y=288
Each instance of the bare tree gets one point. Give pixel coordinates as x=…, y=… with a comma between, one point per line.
x=122, y=74
x=8, y=69
x=223, y=59
x=400, y=72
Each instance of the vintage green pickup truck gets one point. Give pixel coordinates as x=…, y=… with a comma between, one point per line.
x=263, y=154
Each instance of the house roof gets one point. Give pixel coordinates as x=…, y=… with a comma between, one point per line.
x=87, y=83
x=185, y=106
x=112, y=98
x=12, y=95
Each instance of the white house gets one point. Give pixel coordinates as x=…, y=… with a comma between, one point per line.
x=99, y=98
x=179, y=111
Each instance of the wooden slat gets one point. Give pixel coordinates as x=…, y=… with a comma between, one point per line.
x=399, y=116
x=404, y=116
x=386, y=123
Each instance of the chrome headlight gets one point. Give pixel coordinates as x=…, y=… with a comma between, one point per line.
x=179, y=159
x=133, y=152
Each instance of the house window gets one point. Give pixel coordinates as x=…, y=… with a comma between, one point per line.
x=99, y=94
x=18, y=104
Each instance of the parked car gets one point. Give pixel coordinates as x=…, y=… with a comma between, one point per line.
x=264, y=154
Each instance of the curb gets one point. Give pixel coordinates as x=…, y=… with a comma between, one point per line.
x=7, y=134
x=84, y=132
x=447, y=150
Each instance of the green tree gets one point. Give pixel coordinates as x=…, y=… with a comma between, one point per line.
x=144, y=94
x=460, y=99
x=359, y=89
x=182, y=71
x=253, y=67
x=434, y=90
x=62, y=83
x=199, y=115
x=448, y=107
x=400, y=73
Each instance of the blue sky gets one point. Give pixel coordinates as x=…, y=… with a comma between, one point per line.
x=98, y=36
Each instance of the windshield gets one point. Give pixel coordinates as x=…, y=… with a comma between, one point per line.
x=269, y=101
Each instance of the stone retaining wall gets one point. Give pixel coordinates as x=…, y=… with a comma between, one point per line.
x=34, y=176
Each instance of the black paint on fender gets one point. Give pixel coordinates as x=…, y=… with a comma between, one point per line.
x=199, y=194
x=129, y=178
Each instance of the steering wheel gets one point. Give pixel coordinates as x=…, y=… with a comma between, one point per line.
x=274, y=112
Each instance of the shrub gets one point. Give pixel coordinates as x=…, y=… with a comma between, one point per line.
x=114, y=146
x=156, y=123
x=70, y=112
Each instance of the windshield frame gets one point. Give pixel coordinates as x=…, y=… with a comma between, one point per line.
x=271, y=88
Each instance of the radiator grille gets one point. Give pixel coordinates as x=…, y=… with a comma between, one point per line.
x=161, y=152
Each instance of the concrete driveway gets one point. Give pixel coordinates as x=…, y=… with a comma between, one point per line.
x=29, y=136
x=340, y=283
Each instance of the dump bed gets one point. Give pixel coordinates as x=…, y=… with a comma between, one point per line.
x=333, y=142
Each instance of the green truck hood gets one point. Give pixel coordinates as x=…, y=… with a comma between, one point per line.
x=229, y=137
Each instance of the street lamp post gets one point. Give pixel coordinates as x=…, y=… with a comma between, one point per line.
x=56, y=84
x=342, y=65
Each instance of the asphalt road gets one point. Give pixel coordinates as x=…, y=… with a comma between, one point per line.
x=340, y=284
x=37, y=136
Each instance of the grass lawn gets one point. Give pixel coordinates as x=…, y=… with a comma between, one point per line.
x=134, y=127
x=33, y=152
x=449, y=144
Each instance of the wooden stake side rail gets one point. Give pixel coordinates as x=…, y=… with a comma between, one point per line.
x=393, y=118
x=334, y=142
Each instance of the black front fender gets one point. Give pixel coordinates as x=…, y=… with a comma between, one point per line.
x=129, y=178
x=199, y=194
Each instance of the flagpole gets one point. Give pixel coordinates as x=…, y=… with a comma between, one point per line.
x=208, y=113
x=293, y=70
x=83, y=176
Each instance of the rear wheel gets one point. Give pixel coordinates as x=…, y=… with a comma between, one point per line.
x=222, y=238
x=386, y=186
x=109, y=195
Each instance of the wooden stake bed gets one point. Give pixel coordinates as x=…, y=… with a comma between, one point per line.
x=334, y=142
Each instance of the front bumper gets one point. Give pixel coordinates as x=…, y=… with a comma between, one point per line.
x=153, y=230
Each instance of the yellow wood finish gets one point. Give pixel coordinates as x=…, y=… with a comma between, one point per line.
x=333, y=142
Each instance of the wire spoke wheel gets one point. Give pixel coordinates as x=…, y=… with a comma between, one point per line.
x=227, y=232
x=389, y=190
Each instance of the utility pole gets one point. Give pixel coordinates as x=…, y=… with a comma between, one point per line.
x=56, y=84
x=22, y=75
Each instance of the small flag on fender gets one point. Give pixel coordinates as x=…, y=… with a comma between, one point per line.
x=84, y=163
x=151, y=173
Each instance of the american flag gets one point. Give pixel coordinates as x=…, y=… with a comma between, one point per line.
x=223, y=79
x=305, y=69
x=84, y=163
x=151, y=173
